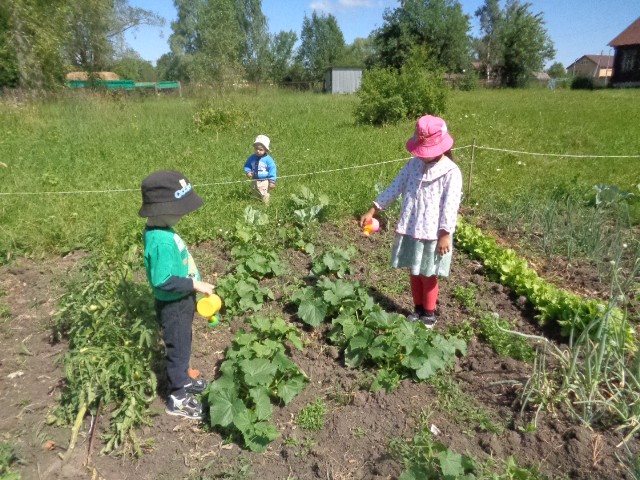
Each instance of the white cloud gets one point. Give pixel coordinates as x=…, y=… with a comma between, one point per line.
x=321, y=6
x=355, y=3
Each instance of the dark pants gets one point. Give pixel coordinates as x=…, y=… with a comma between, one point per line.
x=176, y=319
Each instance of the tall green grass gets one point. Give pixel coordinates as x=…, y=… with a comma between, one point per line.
x=96, y=143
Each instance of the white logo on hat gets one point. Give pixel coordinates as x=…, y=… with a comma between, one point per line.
x=186, y=188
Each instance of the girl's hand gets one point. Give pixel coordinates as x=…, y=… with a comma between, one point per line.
x=250, y=175
x=366, y=218
x=203, y=287
x=272, y=185
x=444, y=243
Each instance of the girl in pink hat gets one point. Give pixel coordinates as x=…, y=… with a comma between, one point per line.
x=431, y=188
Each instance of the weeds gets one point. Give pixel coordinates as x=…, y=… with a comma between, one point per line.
x=113, y=345
x=466, y=296
x=312, y=417
x=426, y=457
x=497, y=332
x=7, y=459
x=462, y=407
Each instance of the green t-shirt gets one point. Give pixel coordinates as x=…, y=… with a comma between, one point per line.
x=166, y=256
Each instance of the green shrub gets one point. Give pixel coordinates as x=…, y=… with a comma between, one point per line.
x=380, y=101
x=387, y=96
x=469, y=81
x=218, y=115
x=582, y=83
x=423, y=91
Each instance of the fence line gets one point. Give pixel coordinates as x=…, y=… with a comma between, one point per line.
x=230, y=182
x=320, y=172
x=521, y=152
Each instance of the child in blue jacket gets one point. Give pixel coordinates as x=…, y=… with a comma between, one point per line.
x=261, y=168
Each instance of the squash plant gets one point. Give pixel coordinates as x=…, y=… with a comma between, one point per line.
x=256, y=371
x=369, y=336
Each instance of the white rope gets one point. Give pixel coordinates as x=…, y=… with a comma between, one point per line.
x=320, y=172
x=121, y=190
x=555, y=154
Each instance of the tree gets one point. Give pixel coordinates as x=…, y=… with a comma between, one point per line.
x=207, y=40
x=489, y=47
x=255, y=49
x=360, y=53
x=322, y=44
x=131, y=66
x=31, y=32
x=94, y=27
x=514, y=43
x=526, y=44
x=438, y=25
x=281, y=54
x=557, y=70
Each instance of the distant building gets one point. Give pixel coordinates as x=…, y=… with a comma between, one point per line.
x=626, y=63
x=598, y=67
x=342, y=79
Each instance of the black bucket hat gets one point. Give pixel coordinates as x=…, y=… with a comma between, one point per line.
x=167, y=192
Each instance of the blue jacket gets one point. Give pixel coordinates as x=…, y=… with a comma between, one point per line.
x=263, y=168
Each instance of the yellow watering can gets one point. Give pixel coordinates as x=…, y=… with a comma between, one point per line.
x=209, y=307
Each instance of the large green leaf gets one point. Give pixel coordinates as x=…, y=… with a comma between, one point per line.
x=224, y=407
x=260, y=323
x=432, y=363
x=263, y=407
x=295, y=340
x=283, y=363
x=451, y=464
x=260, y=436
x=339, y=291
x=312, y=312
x=354, y=357
x=363, y=339
x=350, y=325
x=381, y=348
x=288, y=389
x=258, y=371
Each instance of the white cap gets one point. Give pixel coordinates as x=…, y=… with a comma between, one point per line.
x=262, y=140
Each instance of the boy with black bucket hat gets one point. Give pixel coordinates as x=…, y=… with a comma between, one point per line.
x=174, y=279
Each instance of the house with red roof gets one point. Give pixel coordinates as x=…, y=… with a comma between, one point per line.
x=626, y=62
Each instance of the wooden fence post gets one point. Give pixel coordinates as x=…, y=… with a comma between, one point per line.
x=473, y=156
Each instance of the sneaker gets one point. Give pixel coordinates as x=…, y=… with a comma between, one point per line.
x=417, y=313
x=188, y=406
x=428, y=321
x=196, y=387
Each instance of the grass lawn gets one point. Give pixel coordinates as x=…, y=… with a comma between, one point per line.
x=85, y=143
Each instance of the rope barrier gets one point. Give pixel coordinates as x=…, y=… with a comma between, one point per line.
x=230, y=182
x=320, y=172
x=520, y=152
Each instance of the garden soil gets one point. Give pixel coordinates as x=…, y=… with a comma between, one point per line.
x=354, y=443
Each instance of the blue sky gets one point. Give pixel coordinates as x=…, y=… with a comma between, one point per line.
x=577, y=27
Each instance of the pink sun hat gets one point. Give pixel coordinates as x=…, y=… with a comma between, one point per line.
x=431, y=139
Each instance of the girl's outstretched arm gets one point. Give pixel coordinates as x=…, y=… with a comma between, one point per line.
x=396, y=188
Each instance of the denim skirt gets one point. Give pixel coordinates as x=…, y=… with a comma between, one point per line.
x=420, y=256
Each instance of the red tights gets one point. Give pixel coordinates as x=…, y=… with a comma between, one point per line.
x=424, y=291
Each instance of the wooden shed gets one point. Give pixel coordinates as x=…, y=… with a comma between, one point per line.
x=626, y=59
x=342, y=79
